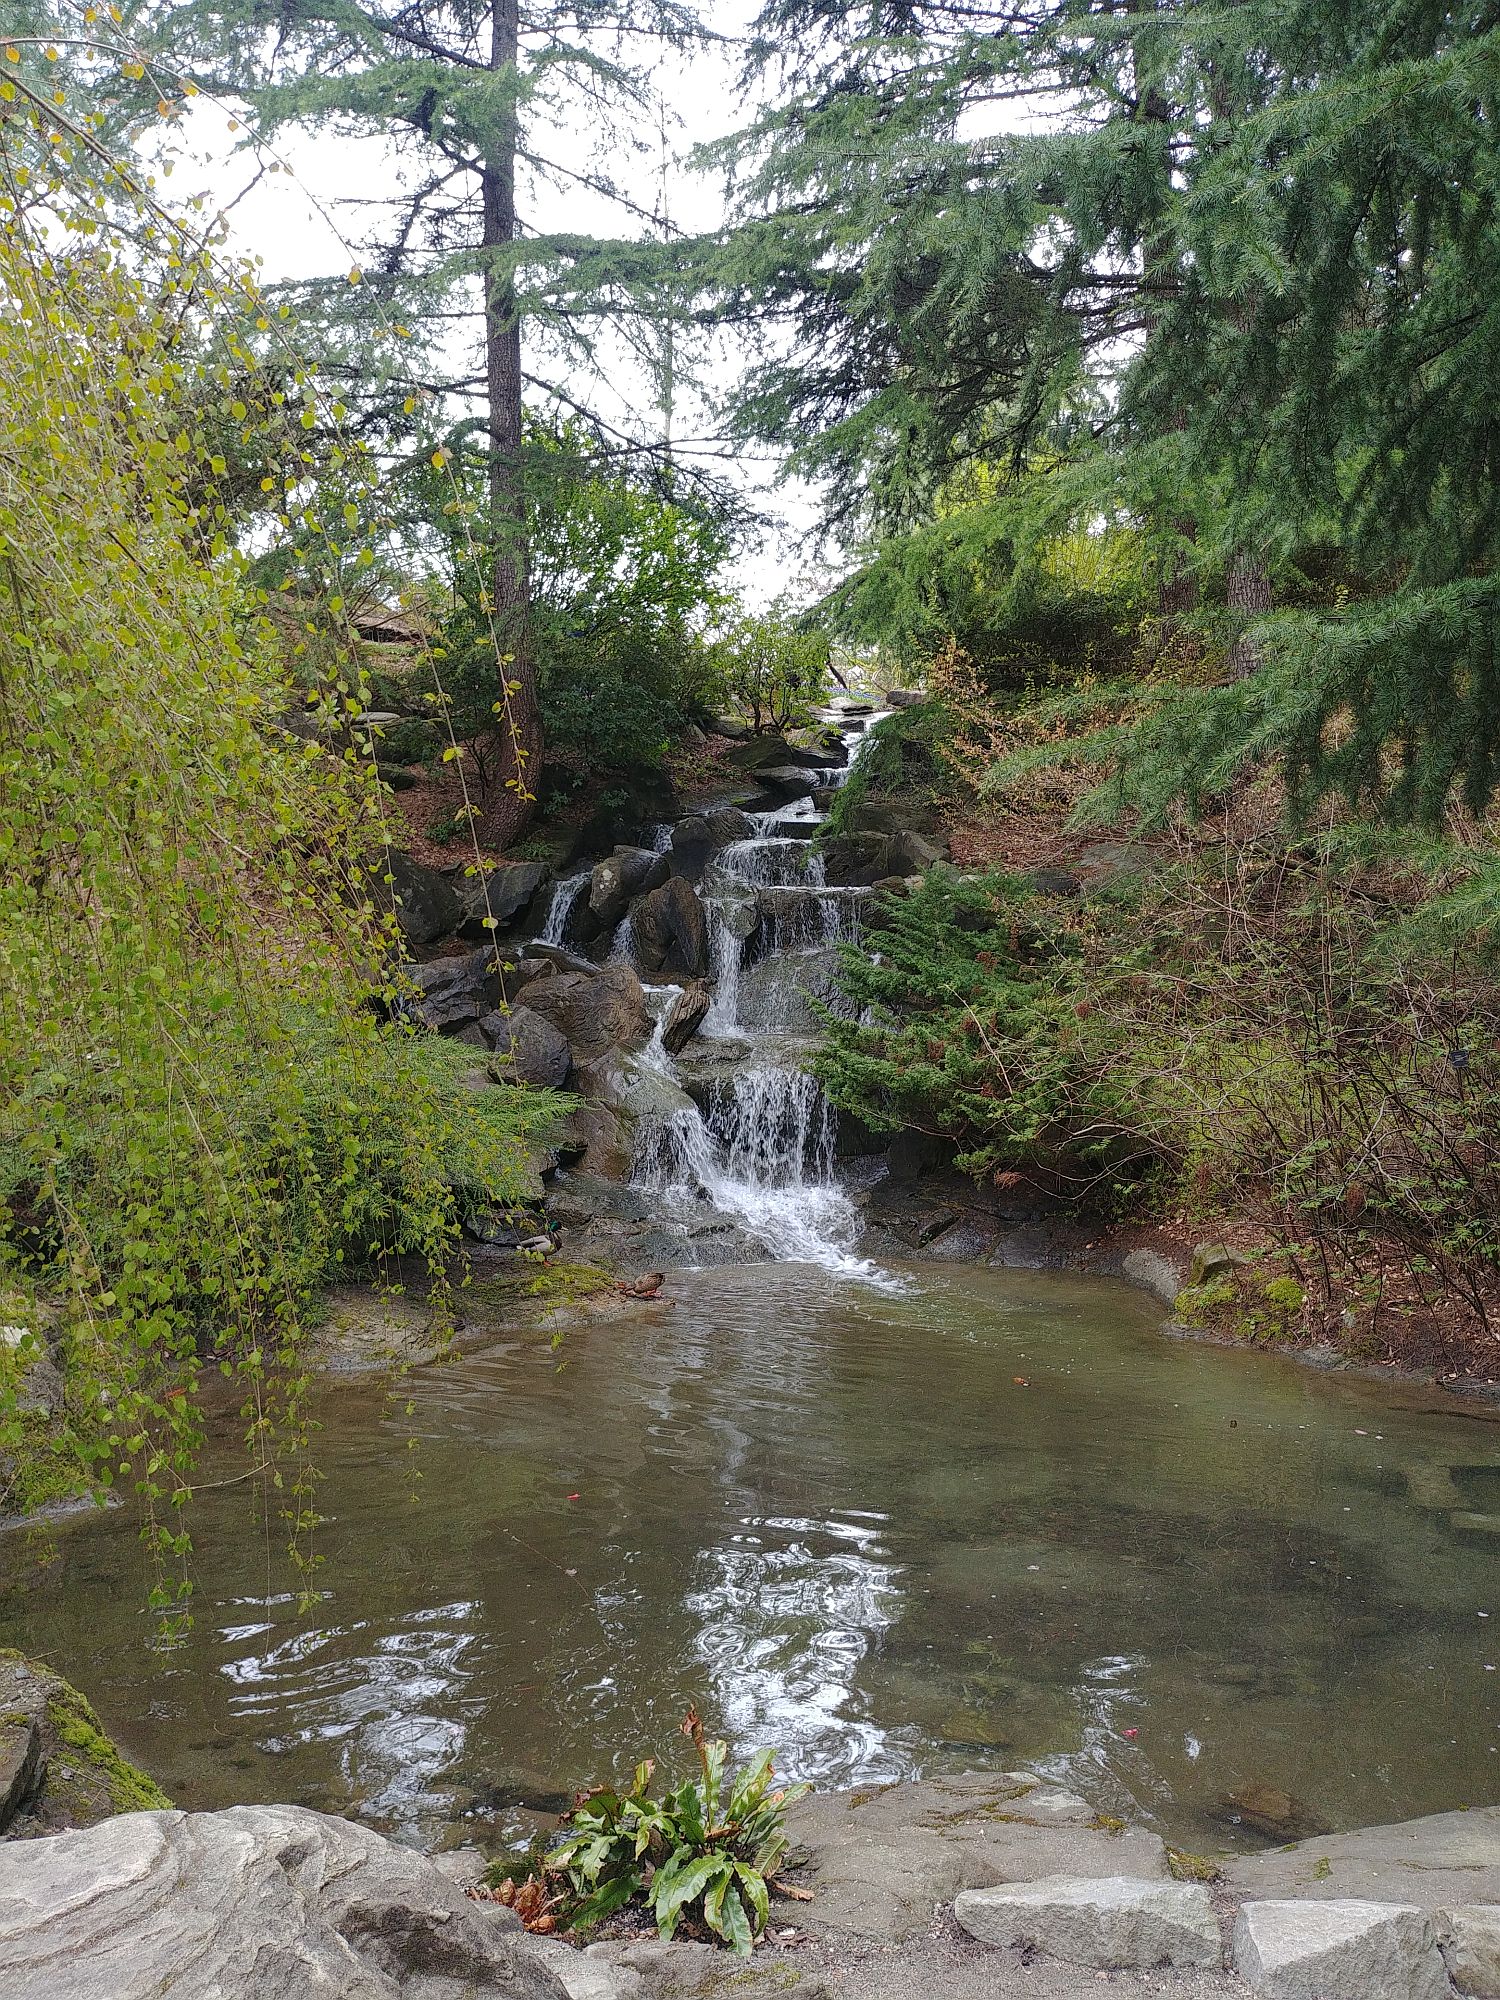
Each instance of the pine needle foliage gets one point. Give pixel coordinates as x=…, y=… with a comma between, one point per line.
x=202, y=1119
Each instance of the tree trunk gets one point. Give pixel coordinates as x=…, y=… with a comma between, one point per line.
x=519, y=719
x=1248, y=592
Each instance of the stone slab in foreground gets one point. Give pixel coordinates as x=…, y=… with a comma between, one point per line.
x=1116, y=1923
x=1470, y=1940
x=882, y=1860
x=256, y=1903
x=1437, y=1862
x=1339, y=1950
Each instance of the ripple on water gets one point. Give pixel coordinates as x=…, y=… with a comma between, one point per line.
x=990, y=1519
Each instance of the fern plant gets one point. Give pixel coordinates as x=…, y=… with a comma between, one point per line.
x=707, y=1851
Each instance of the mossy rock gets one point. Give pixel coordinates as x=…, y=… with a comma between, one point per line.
x=78, y=1776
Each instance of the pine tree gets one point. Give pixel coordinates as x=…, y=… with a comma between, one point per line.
x=470, y=94
x=1237, y=259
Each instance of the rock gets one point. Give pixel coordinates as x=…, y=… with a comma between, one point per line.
x=1442, y=1860
x=670, y=932
x=256, y=1903
x=504, y=892
x=856, y=860
x=692, y=844
x=1339, y=1951
x=1268, y=1810
x=731, y=728
x=627, y=873
x=1114, y=1922
x=682, y=1971
x=752, y=753
x=1153, y=1272
x=367, y=1332
x=447, y=992
x=594, y=1138
x=881, y=1859
x=787, y=781
x=1469, y=1937
x=528, y=1049
x=911, y=853
x=1052, y=882
x=904, y=697
x=685, y=1016
x=596, y=1012
x=58, y=1769
x=426, y=904
x=585, y=1976
x=727, y=824
x=1211, y=1261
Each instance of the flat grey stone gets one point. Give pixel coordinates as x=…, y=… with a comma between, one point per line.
x=256, y=1903
x=587, y=1975
x=1115, y=1923
x=1438, y=1862
x=1340, y=1950
x=1470, y=1940
x=881, y=1860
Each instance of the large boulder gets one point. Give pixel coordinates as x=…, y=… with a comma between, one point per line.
x=692, y=844
x=787, y=781
x=448, y=993
x=616, y=881
x=912, y=852
x=1339, y=1951
x=426, y=903
x=256, y=1903
x=505, y=893
x=727, y=824
x=1436, y=1861
x=1113, y=1922
x=528, y=1048
x=670, y=932
x=1470, y=1941
x=595, y=1012
x=856, y=860
x=753, y=753
x=58, y=1769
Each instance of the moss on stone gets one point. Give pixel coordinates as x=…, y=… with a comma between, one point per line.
x=87, y=1778
x=1193, y=1867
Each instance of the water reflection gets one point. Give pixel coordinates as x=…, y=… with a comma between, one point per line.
x=990, y=1521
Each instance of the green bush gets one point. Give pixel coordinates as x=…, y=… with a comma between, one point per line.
x=705, y=1851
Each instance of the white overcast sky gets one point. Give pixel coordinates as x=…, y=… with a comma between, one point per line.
x=302, y=223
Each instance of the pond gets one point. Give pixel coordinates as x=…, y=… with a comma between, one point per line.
x=986, y=1520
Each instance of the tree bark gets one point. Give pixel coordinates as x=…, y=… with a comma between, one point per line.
x=1248, y=591
x=519, y=720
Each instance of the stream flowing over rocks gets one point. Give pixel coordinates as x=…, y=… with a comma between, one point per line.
x=674, y=983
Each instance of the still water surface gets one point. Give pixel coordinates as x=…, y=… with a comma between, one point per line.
x=993, y=1519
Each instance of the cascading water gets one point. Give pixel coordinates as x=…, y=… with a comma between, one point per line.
x=564, y=896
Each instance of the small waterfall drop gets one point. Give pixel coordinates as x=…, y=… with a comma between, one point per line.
x=564, y=896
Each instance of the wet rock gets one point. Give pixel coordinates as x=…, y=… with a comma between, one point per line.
x=881, y=1858
x=692, y=844
x=685, y=1016
x=727, y=824
x=1154, y=1273
x=1268, y=1810
x=256, y=1903
x=596, y=1012
x=583, y=1198
x=670, y=931
x=1437, y=1861
x=598, y=1140
x=366, y=1332
x=1114, y=1923
x=1469, y=1938
x=451, y=991
x=1339, y=1951
x=911, y=852
x=426, y=904
x=58, y=1769
x=555, y=955
x=528, y=1049
x=787, y=781
x=856, y=860
x=504, y=893
x=752, y=753
x=614, y=883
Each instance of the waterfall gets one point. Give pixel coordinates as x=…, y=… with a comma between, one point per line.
x=564, y=896
x=762, y=1155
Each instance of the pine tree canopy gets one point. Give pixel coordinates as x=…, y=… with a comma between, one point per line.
x=1226, y=272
